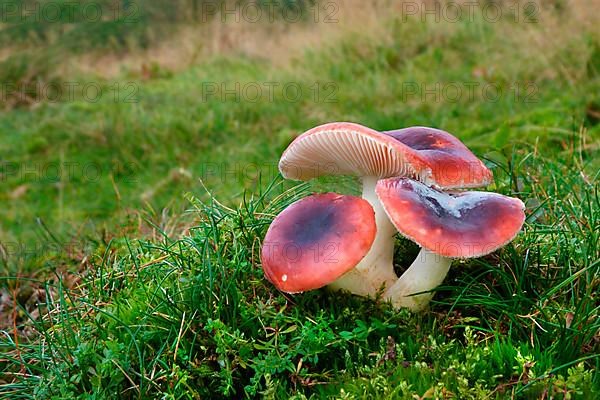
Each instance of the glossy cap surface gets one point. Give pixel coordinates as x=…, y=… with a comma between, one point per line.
x=451, y=163
x=463, y=225
x=316, y=240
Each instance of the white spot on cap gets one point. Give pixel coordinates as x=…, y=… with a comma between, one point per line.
x=284, y=278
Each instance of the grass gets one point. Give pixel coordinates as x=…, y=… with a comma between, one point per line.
x=110, y=290
x=194, y=317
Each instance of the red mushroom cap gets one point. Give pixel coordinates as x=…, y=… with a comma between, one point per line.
x=344, y=148
x=451, y=163
x=463, y=225
x=316, y=240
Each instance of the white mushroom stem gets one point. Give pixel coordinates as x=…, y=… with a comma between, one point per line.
x=375, y=273
x=425, y=274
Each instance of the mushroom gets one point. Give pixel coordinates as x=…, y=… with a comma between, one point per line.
x=344, y=148
x=446, y=226
x=428, y=155
x=316, y=240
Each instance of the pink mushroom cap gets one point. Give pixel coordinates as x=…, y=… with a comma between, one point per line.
x=316, y=240
x=451, y=163
x=344, y=148
x=461, y=225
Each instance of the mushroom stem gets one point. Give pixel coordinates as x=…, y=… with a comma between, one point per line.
x=425, y=274
x=376, y=270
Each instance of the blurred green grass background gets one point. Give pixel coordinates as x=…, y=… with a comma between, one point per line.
x=150, y=132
